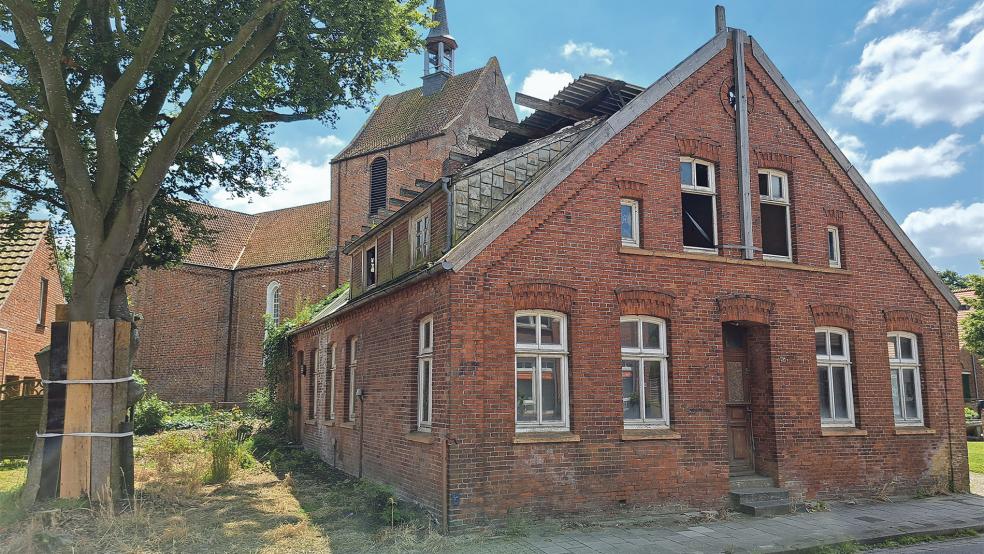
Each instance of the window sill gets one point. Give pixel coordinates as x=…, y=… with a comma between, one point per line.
x=538, y=437
x=327, y=422
x=914, y=430
x=423, y=437
x=347, y=425
x=310, y=421
x=699, y=255
x=649, y=434
x=842, y=432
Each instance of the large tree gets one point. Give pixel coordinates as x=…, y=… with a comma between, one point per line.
x=973, y=325
x=114, y=113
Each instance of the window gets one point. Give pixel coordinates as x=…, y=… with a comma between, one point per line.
x=630, y=222
x=43, y=302
x=314, y=361
x=834, y=377
x=699, y=207
x=541, y=371
x=903, y=359
x=273, y=302
x=833, y=246
x=645, y=395
x=425, y=365
x=968, y=388
x=350, y=382
x=377, y=185
x=420, y=227
x=330, y=380
x=369, y=266
x=774, y=212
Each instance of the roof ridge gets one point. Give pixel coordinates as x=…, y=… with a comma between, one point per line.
x=305, y=205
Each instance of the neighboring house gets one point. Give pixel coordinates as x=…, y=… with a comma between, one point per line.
x=30, y=288
x=971, y=371
x=630, y=298
x=411, y=139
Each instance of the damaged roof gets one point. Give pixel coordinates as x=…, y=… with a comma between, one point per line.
x=268, y=238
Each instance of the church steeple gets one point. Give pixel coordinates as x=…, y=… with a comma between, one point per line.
x=439, y=58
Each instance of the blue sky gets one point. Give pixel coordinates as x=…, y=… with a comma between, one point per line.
x=896, y=82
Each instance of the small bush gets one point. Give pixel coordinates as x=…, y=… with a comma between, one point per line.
x=969, y=413
x=227, y=453
x=259, y=404
x=149, y=415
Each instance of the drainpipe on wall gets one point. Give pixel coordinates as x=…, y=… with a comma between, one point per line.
x=738, y=38
x=946, y=396
x=3, y=370
x=228, y=356
x=449, y=224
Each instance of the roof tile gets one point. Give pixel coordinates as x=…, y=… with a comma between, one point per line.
x=15, y=252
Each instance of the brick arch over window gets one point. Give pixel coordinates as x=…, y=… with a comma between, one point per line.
x=833, y=315
x=904, y=320
x=645, y=302
x=745, y=308
x=631, y=188
x=774, y=160
x=542, y=296
x=377, y=185
x=699, y=148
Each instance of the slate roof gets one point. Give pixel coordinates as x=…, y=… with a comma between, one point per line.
x=16, y=252
x=267, y=238
x=410, y=116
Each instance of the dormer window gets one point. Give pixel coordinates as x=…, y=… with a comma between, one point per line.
x=369, y=266
x=420, y=235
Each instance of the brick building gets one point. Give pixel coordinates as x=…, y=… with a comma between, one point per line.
x=30, y=288
x=638, y=297
x=972, y=372
x=202, y=327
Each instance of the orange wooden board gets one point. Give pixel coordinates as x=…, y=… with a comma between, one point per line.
x=76, y=451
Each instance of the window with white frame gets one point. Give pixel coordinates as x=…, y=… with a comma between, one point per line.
x=350, y=382
x=699, y=206
x=630, y=222
x=314, y=367
x=425, y=366
x=330, y=380
x=273, y=302
x=774, y=214
x=645, y=391
x=834, y=377
x=369, y=266
x=903, y=359
x=833, y=246
x=420, y=233
x=541, y=371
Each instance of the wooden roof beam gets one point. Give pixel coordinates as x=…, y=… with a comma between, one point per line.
x=516, y=128
x=555, y=108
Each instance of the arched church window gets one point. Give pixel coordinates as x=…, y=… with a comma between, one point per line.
x=273, y=302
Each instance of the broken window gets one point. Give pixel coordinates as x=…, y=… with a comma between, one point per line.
x=630, y=222
x=420, y=227
x=541, y=371
x=774, y=211
x=369, y=269
x=903, y=359
x=698, y=205
x=645, y=397
x=834, y=377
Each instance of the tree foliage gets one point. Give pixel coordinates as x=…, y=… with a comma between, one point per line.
x=973, y=324
x=115, y=113
x=953, y=279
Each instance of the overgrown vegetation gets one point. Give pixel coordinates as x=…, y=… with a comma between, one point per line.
x=973, y=324
x=970, y=413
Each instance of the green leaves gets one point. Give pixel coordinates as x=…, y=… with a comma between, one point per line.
x=973, y=324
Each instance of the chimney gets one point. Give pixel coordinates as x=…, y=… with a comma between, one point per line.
x=720, y=24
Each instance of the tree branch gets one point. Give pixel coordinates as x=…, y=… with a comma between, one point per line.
x=59, y=31
x=33, y=194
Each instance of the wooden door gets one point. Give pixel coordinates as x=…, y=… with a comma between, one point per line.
x=738, y=401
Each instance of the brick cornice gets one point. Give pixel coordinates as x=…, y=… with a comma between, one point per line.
x=765, y=159
x=833, y=315
x=743, y=307
x=645, y=302
x=903, y=320
x=543, y=295
x=702, y=148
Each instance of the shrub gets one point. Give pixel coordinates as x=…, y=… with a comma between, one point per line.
x=149, y=415
x=970, y=413
x=259, y=404
x=227, y=453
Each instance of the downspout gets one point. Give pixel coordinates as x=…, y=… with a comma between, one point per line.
x=738, y=38
x=946, y=396
x=228, y=355
x=338, y=222
x=446, y=450
x=449, y=224
x=6, y=338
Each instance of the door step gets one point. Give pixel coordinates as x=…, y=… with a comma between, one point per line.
x=756, y=495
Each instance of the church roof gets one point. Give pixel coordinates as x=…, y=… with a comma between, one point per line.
x=268, y=238
x=410, y=116
x=16, y=252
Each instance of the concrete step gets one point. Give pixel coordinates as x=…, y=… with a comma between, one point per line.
x=765, y=507
x=764, y=494
x=751, y=482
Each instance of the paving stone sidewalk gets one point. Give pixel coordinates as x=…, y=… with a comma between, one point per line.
x=867, y=522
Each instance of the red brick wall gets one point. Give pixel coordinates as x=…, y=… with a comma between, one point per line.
x=19, y=314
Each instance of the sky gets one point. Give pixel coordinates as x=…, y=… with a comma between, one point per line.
x=896, y=83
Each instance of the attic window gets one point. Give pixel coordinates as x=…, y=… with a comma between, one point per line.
x=698, y=206
x=377, y=185
x=369, y=270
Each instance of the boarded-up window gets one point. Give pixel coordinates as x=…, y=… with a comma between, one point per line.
x=377, y=185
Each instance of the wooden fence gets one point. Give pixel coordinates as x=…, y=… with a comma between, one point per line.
x=21, y=403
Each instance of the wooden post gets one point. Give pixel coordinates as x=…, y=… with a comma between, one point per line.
x=103, y=346
x=77, y=451
x=121, y=368
x=55, y=421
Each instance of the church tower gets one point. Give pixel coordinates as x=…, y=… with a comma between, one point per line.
x=439, y=59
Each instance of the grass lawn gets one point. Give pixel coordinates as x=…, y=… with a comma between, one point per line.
x=975, y=453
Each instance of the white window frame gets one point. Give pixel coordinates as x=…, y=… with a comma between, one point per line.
x=365, y=265
x=416, y=256
x=642, y=355
x=425, y=365
x=709, y=191
x=353, y=347
x=897, y=366
x=273, y=302
x=635, y=239
x=540, y=351
x=312, y=413
x=833, y=232
x=781, y=200
x=829, y=361
x=331, y=382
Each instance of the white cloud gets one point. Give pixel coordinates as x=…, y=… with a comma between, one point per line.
x=947, y=231
x=304, y=181
x=920, y=162
x=920, y=75
x=543, y=84
x=850, y=145
x=881, y=10
x=587, y=50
